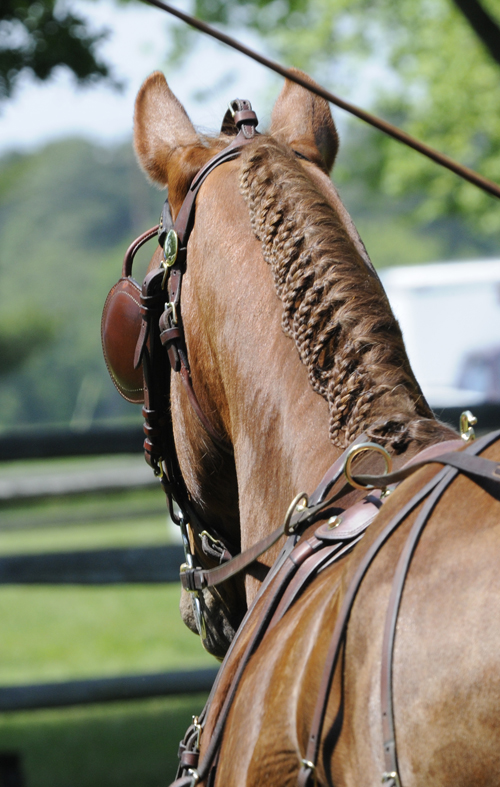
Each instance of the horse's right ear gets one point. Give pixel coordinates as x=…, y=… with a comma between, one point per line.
x=160, y=126
x=303, y=120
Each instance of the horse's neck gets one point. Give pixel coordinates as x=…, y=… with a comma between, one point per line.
x=254, y=377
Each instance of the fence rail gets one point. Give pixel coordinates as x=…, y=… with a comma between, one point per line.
x=85, y=692
x=112, y=566
x=104, y=441
x=54, y=443
x=144, y=565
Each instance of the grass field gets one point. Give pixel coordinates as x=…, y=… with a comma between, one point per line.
x=65, y=632
x=114, y=745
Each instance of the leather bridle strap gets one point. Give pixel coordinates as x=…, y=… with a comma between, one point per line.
x=476, y=468
x=193, y=579
x=306, y=775
x=162, y=329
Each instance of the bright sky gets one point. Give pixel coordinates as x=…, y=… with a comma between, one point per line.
x=138, y=40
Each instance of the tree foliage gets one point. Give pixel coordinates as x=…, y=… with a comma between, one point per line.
x=36, y=36
x=67, y=213
x=429, y=66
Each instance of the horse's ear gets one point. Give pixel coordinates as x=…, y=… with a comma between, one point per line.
x=303, y=120
x=160, y=126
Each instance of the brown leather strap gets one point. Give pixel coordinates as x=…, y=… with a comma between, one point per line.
x=307, y=771
x=332, y=475
x=270, y=599
x=246, y=134
x=472, y=465
x=134, y=248
x=199, y=578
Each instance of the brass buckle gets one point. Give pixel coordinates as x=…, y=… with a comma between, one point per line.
x=170, y=306
x=312, y=767
x=197, y=726
x=391, y=776
x=298, y=504
x=467, y=421
x=359, y=449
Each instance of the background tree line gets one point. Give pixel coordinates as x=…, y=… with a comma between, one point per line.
x=68, y=211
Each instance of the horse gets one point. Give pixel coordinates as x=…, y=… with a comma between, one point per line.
x=294, y=353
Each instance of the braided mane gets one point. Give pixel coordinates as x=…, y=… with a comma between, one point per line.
x=334, y=307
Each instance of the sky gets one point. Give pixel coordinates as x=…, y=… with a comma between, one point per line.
x=137, y=44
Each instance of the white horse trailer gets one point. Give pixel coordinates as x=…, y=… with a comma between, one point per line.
x=450, y=317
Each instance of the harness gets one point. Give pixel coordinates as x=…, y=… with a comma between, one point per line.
x=297, y=566
x=143, y=341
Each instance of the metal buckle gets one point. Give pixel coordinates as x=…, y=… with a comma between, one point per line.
x=298, y=504
x=359, y=449
x=312, y=767
x=195, y=776
x=197, y=726
x=391, y=776
x=170, y=306
x=467, y=421
x=194, y=594
x=233, y=106
x=170, y=251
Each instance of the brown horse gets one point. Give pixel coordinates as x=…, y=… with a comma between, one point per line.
x=294, y=352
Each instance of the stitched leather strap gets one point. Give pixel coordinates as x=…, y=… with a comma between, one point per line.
x=307, y=771
x=475, y=466
x=472, y=465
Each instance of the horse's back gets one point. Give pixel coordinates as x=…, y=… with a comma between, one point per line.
x=446, y=663
x=446, y=675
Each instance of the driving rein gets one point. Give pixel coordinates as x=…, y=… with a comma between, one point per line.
x=143, y=340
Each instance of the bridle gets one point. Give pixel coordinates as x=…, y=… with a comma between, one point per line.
x=145, y=323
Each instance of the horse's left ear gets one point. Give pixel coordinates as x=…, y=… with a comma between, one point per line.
x=303, y=120
x=161, y=126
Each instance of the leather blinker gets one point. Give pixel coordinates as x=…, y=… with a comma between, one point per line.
x=120, y=329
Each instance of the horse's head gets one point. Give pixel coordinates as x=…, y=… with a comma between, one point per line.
x=232, y=322
x=273, y=256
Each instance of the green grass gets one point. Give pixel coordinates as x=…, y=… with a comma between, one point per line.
x=154, y=531
x=113, y=745
x=64, y=632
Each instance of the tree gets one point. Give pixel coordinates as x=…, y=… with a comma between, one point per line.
x=483, y=25
x=429, y=66
x=36, y=36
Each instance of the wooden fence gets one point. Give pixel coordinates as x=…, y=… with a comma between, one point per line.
x=145, y=565
x=115, y=566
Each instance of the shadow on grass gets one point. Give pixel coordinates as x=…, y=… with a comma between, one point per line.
x=130, y=744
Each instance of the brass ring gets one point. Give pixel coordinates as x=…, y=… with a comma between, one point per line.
x=358, y=449
x=292, y=509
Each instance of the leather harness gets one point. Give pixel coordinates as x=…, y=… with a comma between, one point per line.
x=299, y=562
x=161, y=336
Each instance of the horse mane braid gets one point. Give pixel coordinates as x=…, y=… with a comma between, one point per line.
x=334, y=307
